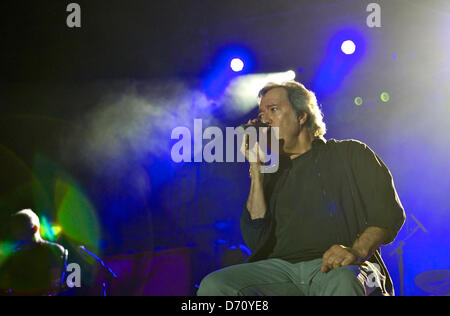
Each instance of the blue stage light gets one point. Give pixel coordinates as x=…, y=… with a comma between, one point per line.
x=348, y=47
x=345, y=49
x=237, y=65
x=228, y=62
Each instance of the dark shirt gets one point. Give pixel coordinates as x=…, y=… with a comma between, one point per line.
x=350, y=182
x=299, y=213
x=33, y=270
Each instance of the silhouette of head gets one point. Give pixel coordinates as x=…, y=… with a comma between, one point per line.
x=25, y=225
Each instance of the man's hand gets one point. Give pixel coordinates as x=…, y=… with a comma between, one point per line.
x=339, y=256
x=363, y=248
x=256, y=203
x=253, y=154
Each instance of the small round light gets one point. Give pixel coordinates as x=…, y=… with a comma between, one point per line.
x=385, y=97
x=237, y=65
x=348, y=47
x=358, y=101
x=290, y=75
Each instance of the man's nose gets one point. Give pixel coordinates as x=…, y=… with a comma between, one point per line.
x=267, y=120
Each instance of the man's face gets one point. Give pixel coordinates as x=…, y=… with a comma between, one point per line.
x=22, y=228
x=276, y=110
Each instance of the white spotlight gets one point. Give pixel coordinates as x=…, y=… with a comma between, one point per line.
x=290, y=75
x=242, y=91
x=348, y=47
x=237, y=65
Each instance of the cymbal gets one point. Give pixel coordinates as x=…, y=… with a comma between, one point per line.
x=435, y=282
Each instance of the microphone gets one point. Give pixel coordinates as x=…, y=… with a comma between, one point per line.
x=419, y=223
x=257, y=125
x=82, y=250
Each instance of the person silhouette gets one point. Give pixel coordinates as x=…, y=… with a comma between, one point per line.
x=36, y=266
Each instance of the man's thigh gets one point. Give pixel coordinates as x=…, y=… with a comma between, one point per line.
x=345, y=281
x=265, y=277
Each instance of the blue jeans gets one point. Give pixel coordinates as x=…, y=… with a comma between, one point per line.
x=273, y=277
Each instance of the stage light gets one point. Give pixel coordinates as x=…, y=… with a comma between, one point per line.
x=227, y=63
x=243, y=90
x=290, y=75
x=49, y=231
x=339, y=61
x=358, y=101
x=348, y=47
x=279, y=77
x=385, y=97
x=237, y=65
x=56, y=230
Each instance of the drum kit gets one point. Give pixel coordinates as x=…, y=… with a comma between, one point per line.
x=434, y=282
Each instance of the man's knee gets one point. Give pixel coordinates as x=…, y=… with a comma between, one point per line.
x=344, y=281
x=215, y=284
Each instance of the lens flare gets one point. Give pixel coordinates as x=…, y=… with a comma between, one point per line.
x=358, y=101
x=77, y=215
x=385, y=97
x=46, y=229
x=49, y=231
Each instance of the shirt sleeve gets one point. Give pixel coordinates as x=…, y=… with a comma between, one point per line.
x=251, y=229
x=376, y=187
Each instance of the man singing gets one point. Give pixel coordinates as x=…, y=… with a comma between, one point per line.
x=316, y=225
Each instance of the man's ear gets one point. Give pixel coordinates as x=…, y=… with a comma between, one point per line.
x=35, y=229
x=302, y=118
